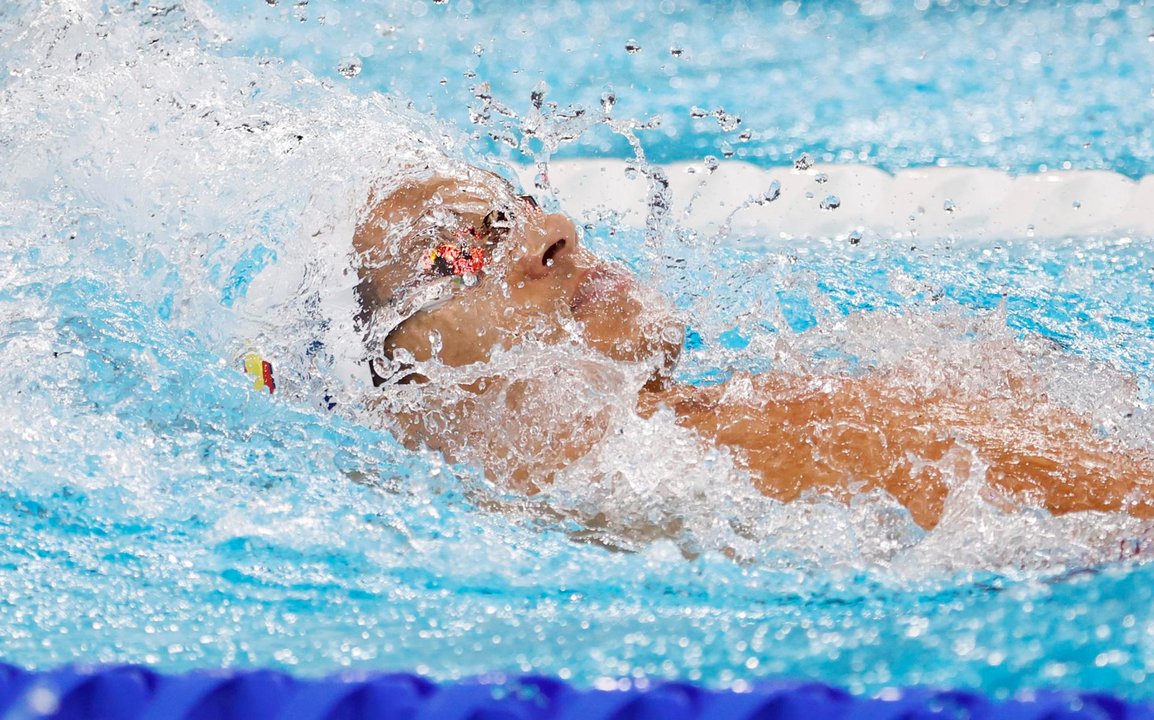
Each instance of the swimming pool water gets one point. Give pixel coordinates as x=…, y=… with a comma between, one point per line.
x=989, y=83
x=157, y=510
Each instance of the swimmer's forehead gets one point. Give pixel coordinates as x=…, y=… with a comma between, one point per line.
x=470, y=196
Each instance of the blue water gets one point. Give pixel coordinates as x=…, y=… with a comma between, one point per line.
x=1015, y=85
x=157, y=510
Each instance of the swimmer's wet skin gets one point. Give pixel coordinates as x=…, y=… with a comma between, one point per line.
x=453, y=268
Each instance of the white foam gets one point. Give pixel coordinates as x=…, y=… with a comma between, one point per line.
x=930, y=202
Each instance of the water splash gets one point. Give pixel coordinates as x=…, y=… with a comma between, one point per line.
x=167, y=204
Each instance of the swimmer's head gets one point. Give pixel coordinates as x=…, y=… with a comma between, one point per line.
x=454, y=267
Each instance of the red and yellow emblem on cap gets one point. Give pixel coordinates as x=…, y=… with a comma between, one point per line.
x=260, y=370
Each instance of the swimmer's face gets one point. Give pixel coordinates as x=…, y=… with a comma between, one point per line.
x=538, y=283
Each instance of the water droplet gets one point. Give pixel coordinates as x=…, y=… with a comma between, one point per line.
x=676, y=51
x=696, y=112
x=608, y=100
x=505, y=139
x=440, y=2
x=711, y=163
x=350, y=67
x=42, y=700
x=632, y=47
x=745, y=136
x=478, y=49
x=1030, y=230
x=831, y=202
x=772, y=193
x=1150, y=37
x=1077, y=205
x=805, y=162
x=725, y=121
x=271, y=2
x=537, y=96
x=950, y=206
x=855, y=237
x=821, y=178
x=726, y=150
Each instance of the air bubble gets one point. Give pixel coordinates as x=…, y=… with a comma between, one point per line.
x=350, y=67
x=805, y=162
x=632, y=47
x=831, y=202
x=950, y=206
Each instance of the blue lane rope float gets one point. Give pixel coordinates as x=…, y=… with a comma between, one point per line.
x=130, y=692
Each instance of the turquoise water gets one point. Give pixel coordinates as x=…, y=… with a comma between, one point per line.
x=160, y=179
x=994, y=83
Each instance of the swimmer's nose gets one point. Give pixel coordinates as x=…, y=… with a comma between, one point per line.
x=548, y=241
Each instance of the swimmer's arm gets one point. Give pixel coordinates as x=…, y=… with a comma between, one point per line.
x=844, y=436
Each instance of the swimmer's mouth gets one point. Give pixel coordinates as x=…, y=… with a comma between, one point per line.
x=598, y=285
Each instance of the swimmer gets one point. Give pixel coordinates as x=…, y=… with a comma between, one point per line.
x=457, y=268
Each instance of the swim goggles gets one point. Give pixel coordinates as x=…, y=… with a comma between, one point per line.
x=456, y=255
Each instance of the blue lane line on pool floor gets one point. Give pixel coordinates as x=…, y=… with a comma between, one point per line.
x=129, y=692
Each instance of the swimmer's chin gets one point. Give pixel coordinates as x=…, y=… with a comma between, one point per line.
x=626, y=323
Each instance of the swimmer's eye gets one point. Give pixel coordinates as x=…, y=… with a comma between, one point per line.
x=499, y=222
